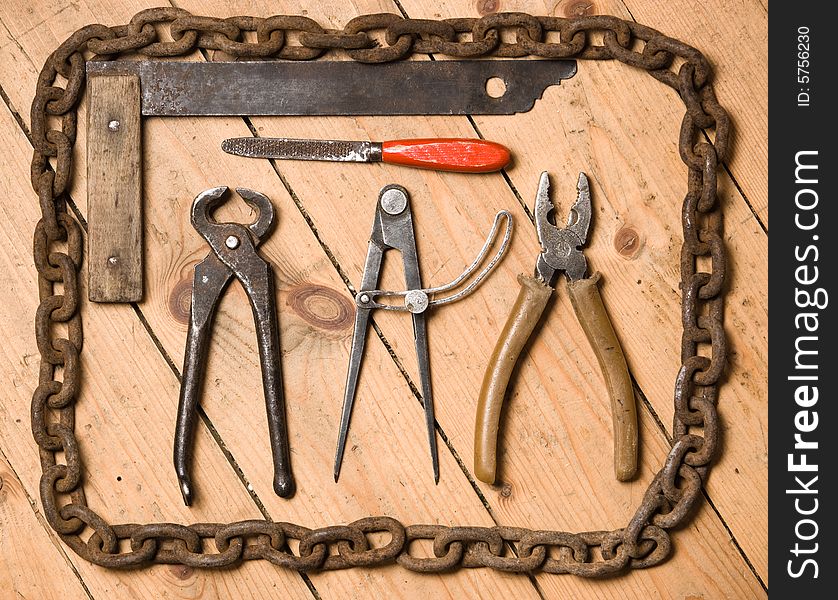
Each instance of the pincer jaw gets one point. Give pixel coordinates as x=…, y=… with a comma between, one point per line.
x=203, y=204
x=210, y=199
x=263, y=223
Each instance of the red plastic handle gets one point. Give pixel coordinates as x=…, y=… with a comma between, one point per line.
x=447, y=154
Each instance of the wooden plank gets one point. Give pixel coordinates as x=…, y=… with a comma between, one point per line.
x=450, y=232
x=557, y=439
x=31, y=564
x=453, y=210
x=733, y=34
x=452, y=213
x=387, y=470
x=313, y=336
x=190, y=164
x=114, y=189
x=620, y=126
x=125, y=419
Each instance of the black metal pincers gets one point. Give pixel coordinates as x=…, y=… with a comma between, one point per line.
x=233, y=255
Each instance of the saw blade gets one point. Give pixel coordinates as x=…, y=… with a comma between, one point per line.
x=443, y=87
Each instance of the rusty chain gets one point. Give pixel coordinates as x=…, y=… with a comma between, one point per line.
x=374, y=38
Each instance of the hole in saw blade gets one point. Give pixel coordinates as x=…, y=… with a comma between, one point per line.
x=495, y=87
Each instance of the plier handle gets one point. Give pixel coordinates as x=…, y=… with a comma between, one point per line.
x=233, y=254
x=561, y=250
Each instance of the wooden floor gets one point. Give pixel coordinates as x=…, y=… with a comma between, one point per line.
x=616, y=124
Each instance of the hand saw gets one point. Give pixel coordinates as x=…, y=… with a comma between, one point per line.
x=442, y=87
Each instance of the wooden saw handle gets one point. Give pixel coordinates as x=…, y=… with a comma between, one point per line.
x=590, y=311
x=525, y=314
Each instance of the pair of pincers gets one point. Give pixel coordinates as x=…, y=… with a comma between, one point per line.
x=233, y=254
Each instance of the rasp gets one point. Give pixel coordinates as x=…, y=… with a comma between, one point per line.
x=442, y=87
x=442, y=154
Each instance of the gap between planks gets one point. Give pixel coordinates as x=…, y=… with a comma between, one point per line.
x=33, y=504
x=638, y=391
x=644, y=400
x=342, y=274
x=730, y=174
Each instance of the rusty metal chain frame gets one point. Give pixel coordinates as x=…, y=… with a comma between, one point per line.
x=58, y=254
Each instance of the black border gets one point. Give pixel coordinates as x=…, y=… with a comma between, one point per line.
x=797, y=126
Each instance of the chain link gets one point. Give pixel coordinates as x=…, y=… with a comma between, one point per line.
x=378, y=38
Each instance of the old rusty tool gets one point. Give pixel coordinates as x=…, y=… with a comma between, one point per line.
x=158, y=88
x=462, y=155
x=561, y=250
x=393, y=230
x=444, y=87
x=233, y=255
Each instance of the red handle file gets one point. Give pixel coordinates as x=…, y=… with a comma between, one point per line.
x=447, y=154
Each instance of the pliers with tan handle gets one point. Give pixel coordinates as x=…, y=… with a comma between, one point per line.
x=561, y=250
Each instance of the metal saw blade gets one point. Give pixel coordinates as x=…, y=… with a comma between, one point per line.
x=442, y=87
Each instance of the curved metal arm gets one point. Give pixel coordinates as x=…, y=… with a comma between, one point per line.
x=417, y=301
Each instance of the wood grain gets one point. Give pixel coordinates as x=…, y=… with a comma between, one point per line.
x=612, y=122
x=619, y=126
x=31, y=563
x=733, y=34
x=125, y=420
x=114, y=189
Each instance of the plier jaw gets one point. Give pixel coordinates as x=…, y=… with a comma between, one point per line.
x=561, y=248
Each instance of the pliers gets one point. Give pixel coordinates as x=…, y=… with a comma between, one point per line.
x=233, y=255
x=561, y=250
